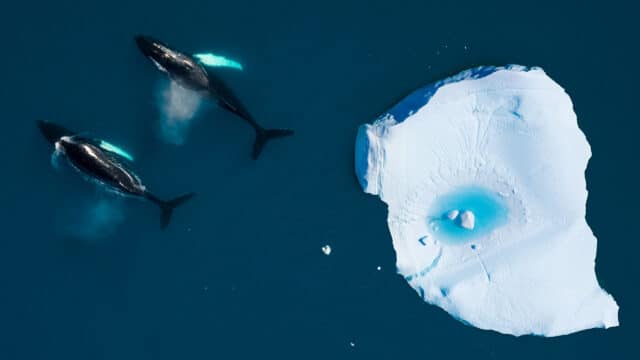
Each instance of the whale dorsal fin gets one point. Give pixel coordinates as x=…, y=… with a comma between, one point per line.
x=213, y=60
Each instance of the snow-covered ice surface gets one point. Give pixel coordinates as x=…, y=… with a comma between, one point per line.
x=503, y=145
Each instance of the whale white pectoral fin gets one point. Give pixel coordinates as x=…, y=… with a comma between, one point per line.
x=212, y=60
x=115, y=150
x=157, y=64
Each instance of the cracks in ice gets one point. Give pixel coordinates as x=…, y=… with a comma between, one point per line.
x=427, y=269
x=484, y=268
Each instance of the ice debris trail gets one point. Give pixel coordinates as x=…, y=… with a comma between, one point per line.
x=483, y=175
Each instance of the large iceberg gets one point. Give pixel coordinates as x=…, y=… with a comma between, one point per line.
x=483, y=175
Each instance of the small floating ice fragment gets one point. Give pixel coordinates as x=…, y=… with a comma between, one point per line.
x=326, y=250
x=453, y=214
x=467, y=220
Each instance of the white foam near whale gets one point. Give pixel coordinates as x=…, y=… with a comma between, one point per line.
x=502, y=144
x=178, y=108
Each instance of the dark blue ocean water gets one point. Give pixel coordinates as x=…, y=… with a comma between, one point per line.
x=239, y=273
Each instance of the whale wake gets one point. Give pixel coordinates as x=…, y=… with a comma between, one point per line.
x=178, y=109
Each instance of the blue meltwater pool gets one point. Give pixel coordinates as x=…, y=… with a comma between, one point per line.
x=466, y=213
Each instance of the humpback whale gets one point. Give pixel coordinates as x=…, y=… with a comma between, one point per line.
x=105, y=164
x=188, y=72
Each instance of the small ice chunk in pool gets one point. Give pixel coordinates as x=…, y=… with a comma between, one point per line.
x=453, y=214
x=326, y=250
x=467, y=220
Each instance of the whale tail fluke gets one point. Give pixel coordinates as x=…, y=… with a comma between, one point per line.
x=264, y=135
x=167, y=208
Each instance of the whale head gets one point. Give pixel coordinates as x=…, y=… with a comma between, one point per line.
x=156, y=51
x=53, y=132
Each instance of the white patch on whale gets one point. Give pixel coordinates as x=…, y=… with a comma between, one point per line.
x=106, y=146
x=213, y=60
x=157, y=64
